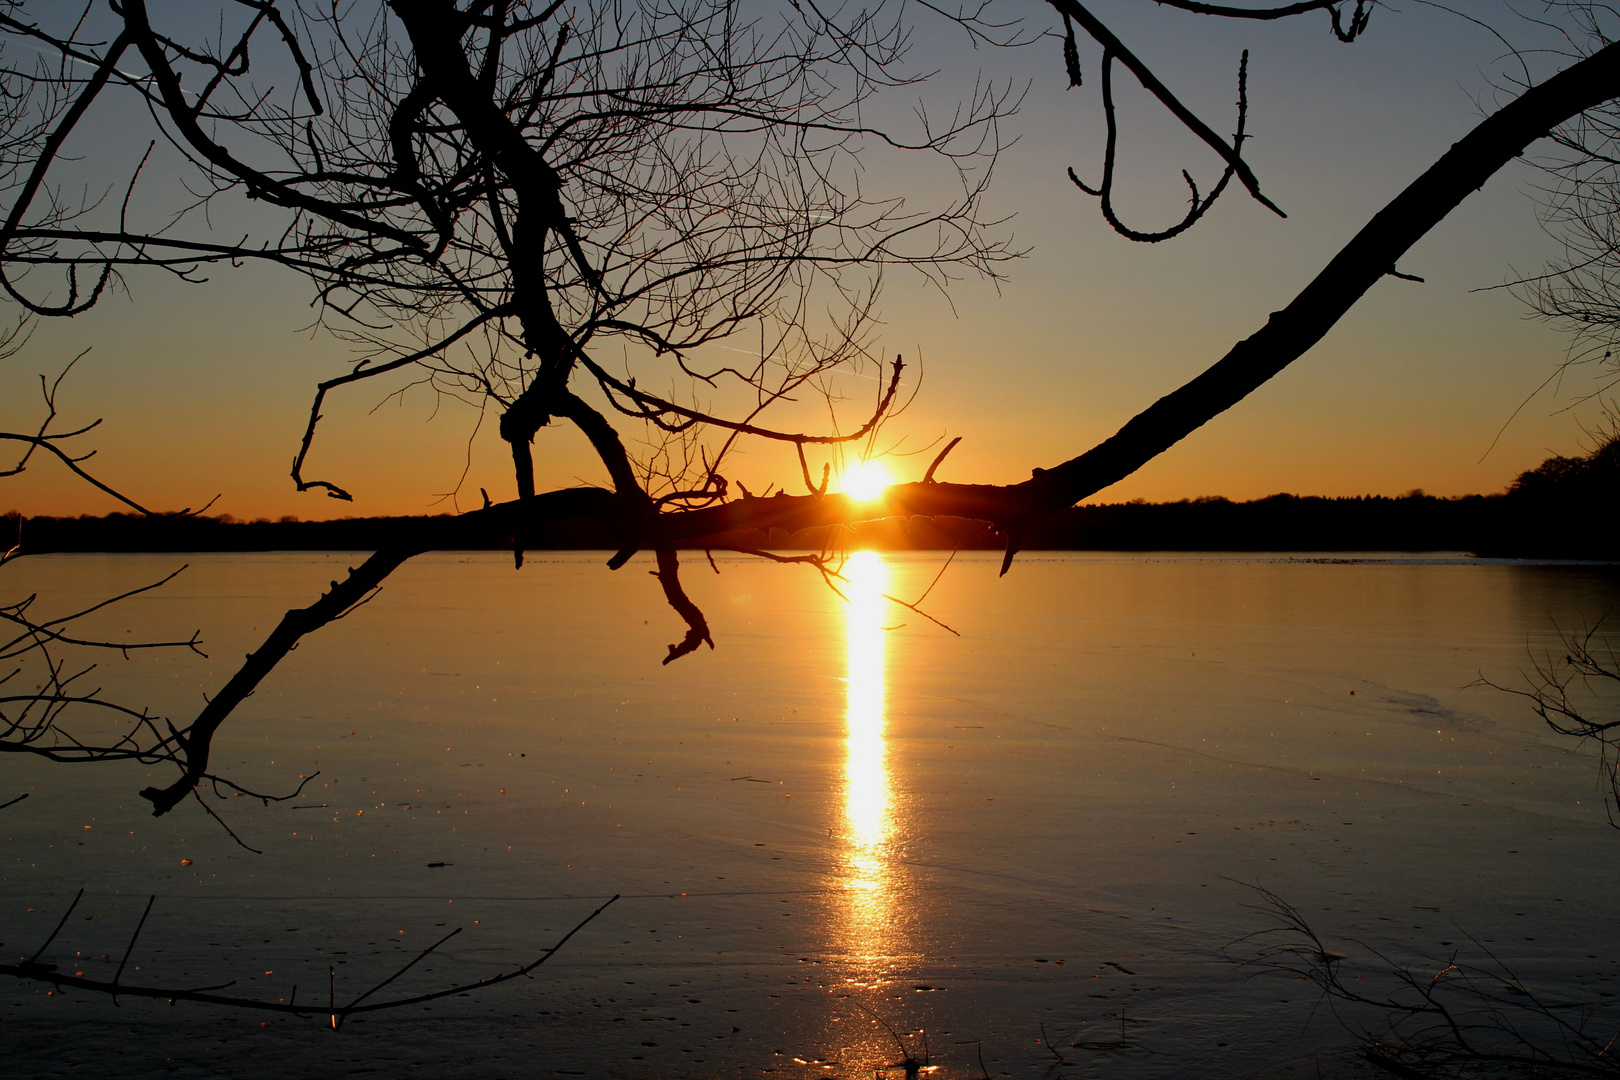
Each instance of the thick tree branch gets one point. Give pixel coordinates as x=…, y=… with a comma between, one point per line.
x=697, y=627
x=343, y=596
x=1286, y=336
x=294, y=625
x=1369, y=256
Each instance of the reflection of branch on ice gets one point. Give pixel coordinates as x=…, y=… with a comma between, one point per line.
x=1102, y=1045
x=1571, y=692
x=32, y=969
x=913, y=1065
x=1450, y=1017
x=831, y=565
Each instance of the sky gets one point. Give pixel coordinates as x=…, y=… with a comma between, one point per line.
x=203, y=390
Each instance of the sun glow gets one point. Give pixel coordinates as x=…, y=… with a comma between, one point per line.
x=865, y=480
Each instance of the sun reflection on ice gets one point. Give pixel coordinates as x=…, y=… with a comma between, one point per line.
x=868, y=802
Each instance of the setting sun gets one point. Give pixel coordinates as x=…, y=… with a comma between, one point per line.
x=865, y=480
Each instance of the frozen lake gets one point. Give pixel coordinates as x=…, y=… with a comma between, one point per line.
x=843, y=818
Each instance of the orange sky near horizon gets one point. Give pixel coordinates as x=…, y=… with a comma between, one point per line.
x=204, y=389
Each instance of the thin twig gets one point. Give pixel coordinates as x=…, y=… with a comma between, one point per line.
x=120, y=972
x=33, y=961
x=227, y=828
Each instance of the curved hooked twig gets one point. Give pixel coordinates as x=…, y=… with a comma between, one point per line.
x=1150, y=82
x=1200, y=206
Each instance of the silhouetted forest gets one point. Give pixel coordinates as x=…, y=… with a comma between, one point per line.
x=1566, y=507
x=1502, y=525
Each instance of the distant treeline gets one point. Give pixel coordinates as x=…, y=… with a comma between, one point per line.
x=1563, y=508
x=1522, y=523
x=1527, y=523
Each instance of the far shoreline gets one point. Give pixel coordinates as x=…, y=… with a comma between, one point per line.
x=1504, y=526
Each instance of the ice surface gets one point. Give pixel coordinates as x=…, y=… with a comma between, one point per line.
x=842, y=828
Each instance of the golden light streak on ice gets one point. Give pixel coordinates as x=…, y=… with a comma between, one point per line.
x=868, y=801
